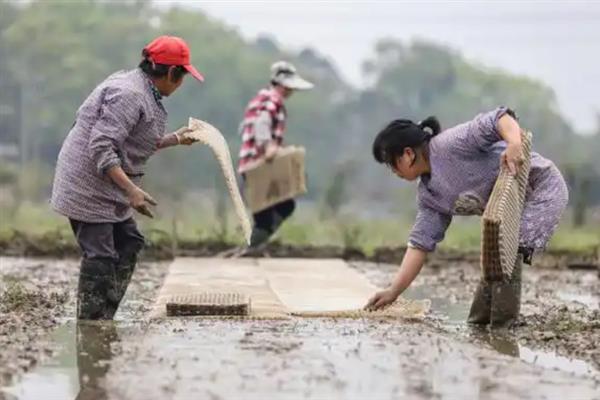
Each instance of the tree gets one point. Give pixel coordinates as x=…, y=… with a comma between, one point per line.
x=77, y=44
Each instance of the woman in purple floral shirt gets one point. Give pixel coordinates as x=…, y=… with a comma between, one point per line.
x=457, y=169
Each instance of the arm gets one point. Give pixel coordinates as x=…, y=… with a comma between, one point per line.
x=168, y=140
x=263, y=134
x=412, y=263
x=493, y=126
x=510, y=131
x=176, y=138
x=429, y=229
x=137, y=197
x=485, y=129
x=120, y=113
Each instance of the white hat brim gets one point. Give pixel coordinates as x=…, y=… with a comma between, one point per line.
x=296, y=82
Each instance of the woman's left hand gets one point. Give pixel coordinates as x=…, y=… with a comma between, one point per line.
x=512, y=158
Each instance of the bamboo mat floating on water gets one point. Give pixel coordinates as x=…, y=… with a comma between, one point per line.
x=329, y=288
x=209, y=304
x=281, y=288
x=189, y=276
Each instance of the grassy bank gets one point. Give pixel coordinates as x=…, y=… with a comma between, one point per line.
x=306, y=228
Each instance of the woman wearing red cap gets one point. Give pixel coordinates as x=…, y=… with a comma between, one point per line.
x=100, y=166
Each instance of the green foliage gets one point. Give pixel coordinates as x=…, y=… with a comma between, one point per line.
x=35, y=181
x=9, y=174
x=77, y=44
x=59, y=51
x=222, y=204
x=336, y=192
x=304, y=228
x=351, y=234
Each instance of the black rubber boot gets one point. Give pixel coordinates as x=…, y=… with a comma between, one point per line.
x=96, y=289
x=506, y=297
x=259, y=237
x=123, y=271
x=277, y=221
x=481, y=307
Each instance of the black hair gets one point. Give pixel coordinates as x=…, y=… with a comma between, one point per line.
x=160, y=70
x=399, y=134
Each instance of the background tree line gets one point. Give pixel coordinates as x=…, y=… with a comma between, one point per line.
x=58, y=51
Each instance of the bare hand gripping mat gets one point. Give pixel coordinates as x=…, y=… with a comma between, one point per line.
x=207, y=134
x=208, y=304
x=501, y=220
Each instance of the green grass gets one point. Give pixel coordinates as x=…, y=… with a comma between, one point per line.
x=305, y=228
x=568, y=238
x=31, y=218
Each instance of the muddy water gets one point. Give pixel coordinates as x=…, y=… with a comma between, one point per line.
x=301, y=359
x=194, y=358
x=452, y=316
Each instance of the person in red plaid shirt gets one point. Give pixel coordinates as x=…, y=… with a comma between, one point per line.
x=262, y=133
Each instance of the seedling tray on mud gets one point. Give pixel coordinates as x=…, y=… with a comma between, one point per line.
x=208, y=304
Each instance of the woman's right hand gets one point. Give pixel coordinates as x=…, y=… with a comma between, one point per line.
x=140, y=201
x=183, y=138
x=382, y=299
x=412, y=263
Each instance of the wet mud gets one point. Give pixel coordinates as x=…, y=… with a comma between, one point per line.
x=39, y=295
x=550, y=352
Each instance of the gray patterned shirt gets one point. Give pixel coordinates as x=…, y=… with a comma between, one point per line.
x=465, y=162
x=120, y=123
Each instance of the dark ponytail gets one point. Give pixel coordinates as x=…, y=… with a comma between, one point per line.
x=400, y=134
x=432, y=125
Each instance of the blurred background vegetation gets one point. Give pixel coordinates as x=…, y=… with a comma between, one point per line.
x=52, y=54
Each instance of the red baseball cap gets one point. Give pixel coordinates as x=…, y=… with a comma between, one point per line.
x=172, y=50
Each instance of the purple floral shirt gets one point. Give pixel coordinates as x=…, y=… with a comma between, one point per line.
x=465, y=162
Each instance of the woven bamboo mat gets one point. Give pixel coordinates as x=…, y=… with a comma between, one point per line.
x=282, y=288
x=189, y=276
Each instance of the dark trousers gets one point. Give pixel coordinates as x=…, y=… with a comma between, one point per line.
x=271, y=218
x=108, y=241
x=109, y=258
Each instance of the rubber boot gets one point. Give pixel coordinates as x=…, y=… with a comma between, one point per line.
x=123, y=271
x=259, y=236
x=481, y=307
x=258, y=240
x=277, y=221
x=506, y=297
x=96, y=289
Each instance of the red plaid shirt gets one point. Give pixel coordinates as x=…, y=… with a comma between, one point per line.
x=266, y=100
